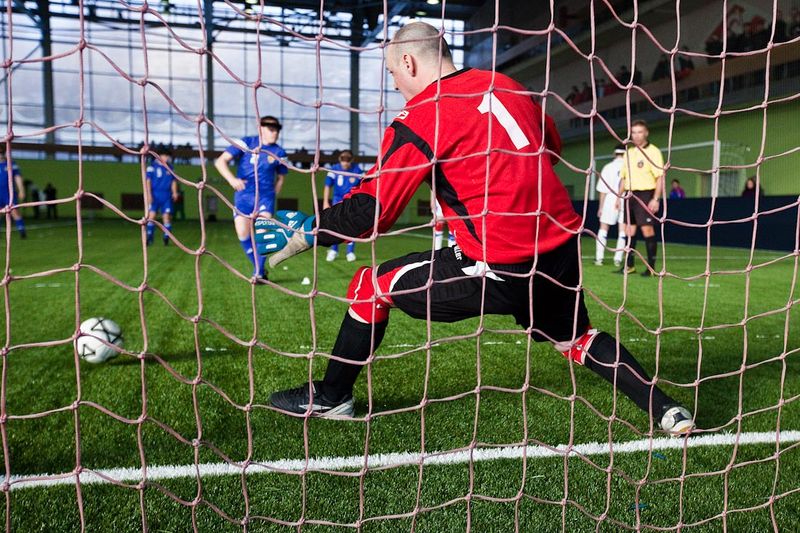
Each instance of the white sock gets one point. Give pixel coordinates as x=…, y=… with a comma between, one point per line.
x=600, y=245
x=437, y=240
x=621, y=241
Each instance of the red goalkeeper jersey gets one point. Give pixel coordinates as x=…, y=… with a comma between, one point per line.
x=481, y=152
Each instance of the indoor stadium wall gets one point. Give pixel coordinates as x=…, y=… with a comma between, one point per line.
x=112, y=180
x=779, y=176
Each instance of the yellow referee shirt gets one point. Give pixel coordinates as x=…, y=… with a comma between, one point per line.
x=641, y=167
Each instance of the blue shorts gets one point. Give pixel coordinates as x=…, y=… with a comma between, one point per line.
x=162, y=204
x=4, y=199
x=245, y=203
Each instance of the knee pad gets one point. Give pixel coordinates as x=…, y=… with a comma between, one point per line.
x=577, y=350
x=361, y=292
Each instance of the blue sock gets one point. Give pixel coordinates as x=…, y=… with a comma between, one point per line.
x=151, y=228
x=167, y=231
x=20, y=226
x=247, y=246
x=335, y=248
x=351, y=247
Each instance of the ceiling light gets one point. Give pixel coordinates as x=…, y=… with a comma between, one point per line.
x=432, y=2
x=421, y=13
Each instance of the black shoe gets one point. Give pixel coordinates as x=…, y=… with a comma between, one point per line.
x=625, y=270
x=23, y=235
x=648, y=273
x=166, y=241
x=297, y=401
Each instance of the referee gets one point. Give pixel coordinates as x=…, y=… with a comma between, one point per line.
x=641, y=183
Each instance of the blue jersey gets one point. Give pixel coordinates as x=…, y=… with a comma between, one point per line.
x=4, y=181
x=266, y=165
x=341, y=182
x=160, y=178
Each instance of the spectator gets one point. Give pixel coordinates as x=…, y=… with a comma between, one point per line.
x=586, y=93
x=35, y=197
x=677, y=192
x=759, y=34
x=781, y=29
x=212, y=204
x=637, y=77
x=573, y=95
x=180, y=207
x=685, y=63
x=624, y=75
x=794, y=30
x=662, y=69
x=713, y=48
x=50, y=194
x=752, y=188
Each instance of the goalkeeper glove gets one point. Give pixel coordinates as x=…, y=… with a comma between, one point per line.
x=288, y=234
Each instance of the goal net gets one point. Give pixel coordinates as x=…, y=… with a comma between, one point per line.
x=458, y=426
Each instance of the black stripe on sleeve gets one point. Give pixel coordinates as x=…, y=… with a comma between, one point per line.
x=352, y=217
x=355, y=216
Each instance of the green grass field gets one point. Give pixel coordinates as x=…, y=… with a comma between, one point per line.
x=728, y=346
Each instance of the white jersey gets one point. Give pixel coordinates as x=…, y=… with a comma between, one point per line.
x=609, y=184
x=609, y=177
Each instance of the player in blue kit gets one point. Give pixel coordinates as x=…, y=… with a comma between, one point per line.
x=162, y=190
x=12, y=190
x=258, y=181
x=342, y=177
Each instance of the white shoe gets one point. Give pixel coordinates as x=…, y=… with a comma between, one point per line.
x=599, y=262
x=617, y=264
x=677, y=420
x=332, y=254
x=351, y=257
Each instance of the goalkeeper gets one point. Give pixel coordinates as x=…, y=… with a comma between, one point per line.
x=489, y=157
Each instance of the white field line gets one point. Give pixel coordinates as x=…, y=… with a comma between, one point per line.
x=47, y=225
x=356, y=462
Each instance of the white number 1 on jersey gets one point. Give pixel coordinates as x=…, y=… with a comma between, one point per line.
x=492, y=103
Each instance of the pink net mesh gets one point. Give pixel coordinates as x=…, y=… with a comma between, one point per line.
x=599, y=115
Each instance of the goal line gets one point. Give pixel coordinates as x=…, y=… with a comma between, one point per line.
x=398, y=459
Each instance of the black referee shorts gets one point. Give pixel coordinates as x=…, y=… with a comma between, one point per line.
x=546, y=299
x=636, y=211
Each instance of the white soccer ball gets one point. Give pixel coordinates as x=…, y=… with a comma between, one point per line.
x=90, y=343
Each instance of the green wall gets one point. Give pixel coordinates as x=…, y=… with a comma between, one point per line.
x=779, y=176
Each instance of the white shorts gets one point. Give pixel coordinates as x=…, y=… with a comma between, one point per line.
x=610, y=214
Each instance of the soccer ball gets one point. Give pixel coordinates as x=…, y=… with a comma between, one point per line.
x=90, y=342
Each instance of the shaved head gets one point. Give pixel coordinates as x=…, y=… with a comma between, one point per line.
x=422, y=41
x=416, y=57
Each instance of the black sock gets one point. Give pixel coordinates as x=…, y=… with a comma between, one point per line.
x=354, y=343
x=604, y=350
x=632, y=253
x=652, y=249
